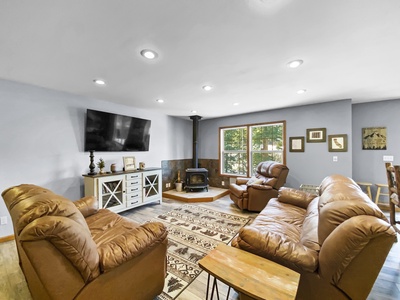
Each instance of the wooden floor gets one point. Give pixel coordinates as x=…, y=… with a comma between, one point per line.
x=13, y=285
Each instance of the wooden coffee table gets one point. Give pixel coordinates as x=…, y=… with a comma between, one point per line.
x=252, y=276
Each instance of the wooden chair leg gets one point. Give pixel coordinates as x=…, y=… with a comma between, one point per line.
x=378, y=193
x=393, y=221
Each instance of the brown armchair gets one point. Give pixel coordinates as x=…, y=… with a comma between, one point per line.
x=254, y=193
x=73, y=250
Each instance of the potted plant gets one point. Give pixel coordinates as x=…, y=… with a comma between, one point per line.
x=101, y=165
x=178, y=183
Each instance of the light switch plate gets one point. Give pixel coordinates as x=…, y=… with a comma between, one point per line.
x=388, y=158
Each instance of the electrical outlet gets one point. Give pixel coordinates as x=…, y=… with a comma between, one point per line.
x=388, y=158
x=223, y=183
x=335, y=158
x=3, y=220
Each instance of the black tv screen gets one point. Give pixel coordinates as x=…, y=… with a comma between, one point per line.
x=111, y=132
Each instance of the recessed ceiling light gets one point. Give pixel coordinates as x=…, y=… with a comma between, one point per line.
x=149, y=54
x=207, y=87
x=194, y=111
x=160, y=100
x=236, y=103
x=99, y=81
x=301, y=91
x=295, y=63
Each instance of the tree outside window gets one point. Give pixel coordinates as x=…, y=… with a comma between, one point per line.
x=244, y=147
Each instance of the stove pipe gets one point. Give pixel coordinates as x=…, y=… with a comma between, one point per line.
x=196, y=120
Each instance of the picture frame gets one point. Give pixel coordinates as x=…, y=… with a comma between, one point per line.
x=129, y=163
x=374, y=138
x=337, y=143
x=316, y=135
x=296, y=144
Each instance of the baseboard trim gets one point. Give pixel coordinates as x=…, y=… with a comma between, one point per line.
x=6, y=238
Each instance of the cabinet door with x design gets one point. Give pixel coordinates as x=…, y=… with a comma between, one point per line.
x=152, y=186
x=112, y=192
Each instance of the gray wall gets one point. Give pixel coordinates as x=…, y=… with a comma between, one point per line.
x=42, y=131
x=316, y=162
x=42, y=135
x=368, y=165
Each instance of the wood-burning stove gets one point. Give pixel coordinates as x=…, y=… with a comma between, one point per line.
x=196, y=178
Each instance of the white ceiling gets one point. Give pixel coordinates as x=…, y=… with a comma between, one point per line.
x=350, y=48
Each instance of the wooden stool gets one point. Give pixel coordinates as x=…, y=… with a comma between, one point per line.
x=367, y=186
x=379, y=186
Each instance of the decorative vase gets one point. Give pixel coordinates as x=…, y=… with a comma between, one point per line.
x=178, y=186
x=101, y=171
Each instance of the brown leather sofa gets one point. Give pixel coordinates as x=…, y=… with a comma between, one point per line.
x=254, y=193
x=73, y=250
x=338, y=242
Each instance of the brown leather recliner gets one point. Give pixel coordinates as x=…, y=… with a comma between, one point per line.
x=73, y=250
x=254, y=193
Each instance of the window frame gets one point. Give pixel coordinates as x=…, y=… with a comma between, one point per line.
x=249, y=151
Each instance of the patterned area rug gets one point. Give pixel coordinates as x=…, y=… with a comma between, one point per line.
x=193, y=231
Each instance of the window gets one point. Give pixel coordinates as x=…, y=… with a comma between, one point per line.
x=242, y=148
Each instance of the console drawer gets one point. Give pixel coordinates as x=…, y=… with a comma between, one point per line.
x=133, y=182
x=133, y=176
x=133, y=202
x=134, y=189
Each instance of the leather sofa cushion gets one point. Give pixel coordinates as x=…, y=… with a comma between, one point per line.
x=87, y=205
x=130, y=244
x=105, y=225
x=119, y=239
x=309, y=234
x=31, y=202
x=70, y=238
x=342, y=199
x=269, y=169
x=276, y=234
x=295, y=197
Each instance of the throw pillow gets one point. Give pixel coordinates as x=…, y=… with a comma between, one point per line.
x=254, y=180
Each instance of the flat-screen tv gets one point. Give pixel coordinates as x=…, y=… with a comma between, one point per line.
x=111, y=132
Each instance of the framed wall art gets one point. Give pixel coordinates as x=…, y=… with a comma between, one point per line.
x=374, y=138
x=129, y=163
x=316, y=135
x=296, y=144
x=337, y=142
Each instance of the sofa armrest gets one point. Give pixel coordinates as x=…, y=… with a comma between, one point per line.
x=261, y=187
x=352, y=256
x=130, y=244
x=87, y=205
x=241, y=180
x=279, y=248
x=295, y=197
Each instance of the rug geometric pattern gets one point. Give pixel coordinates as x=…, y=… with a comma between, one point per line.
x=193, y=231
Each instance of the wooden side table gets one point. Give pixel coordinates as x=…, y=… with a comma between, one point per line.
x=252, y=276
